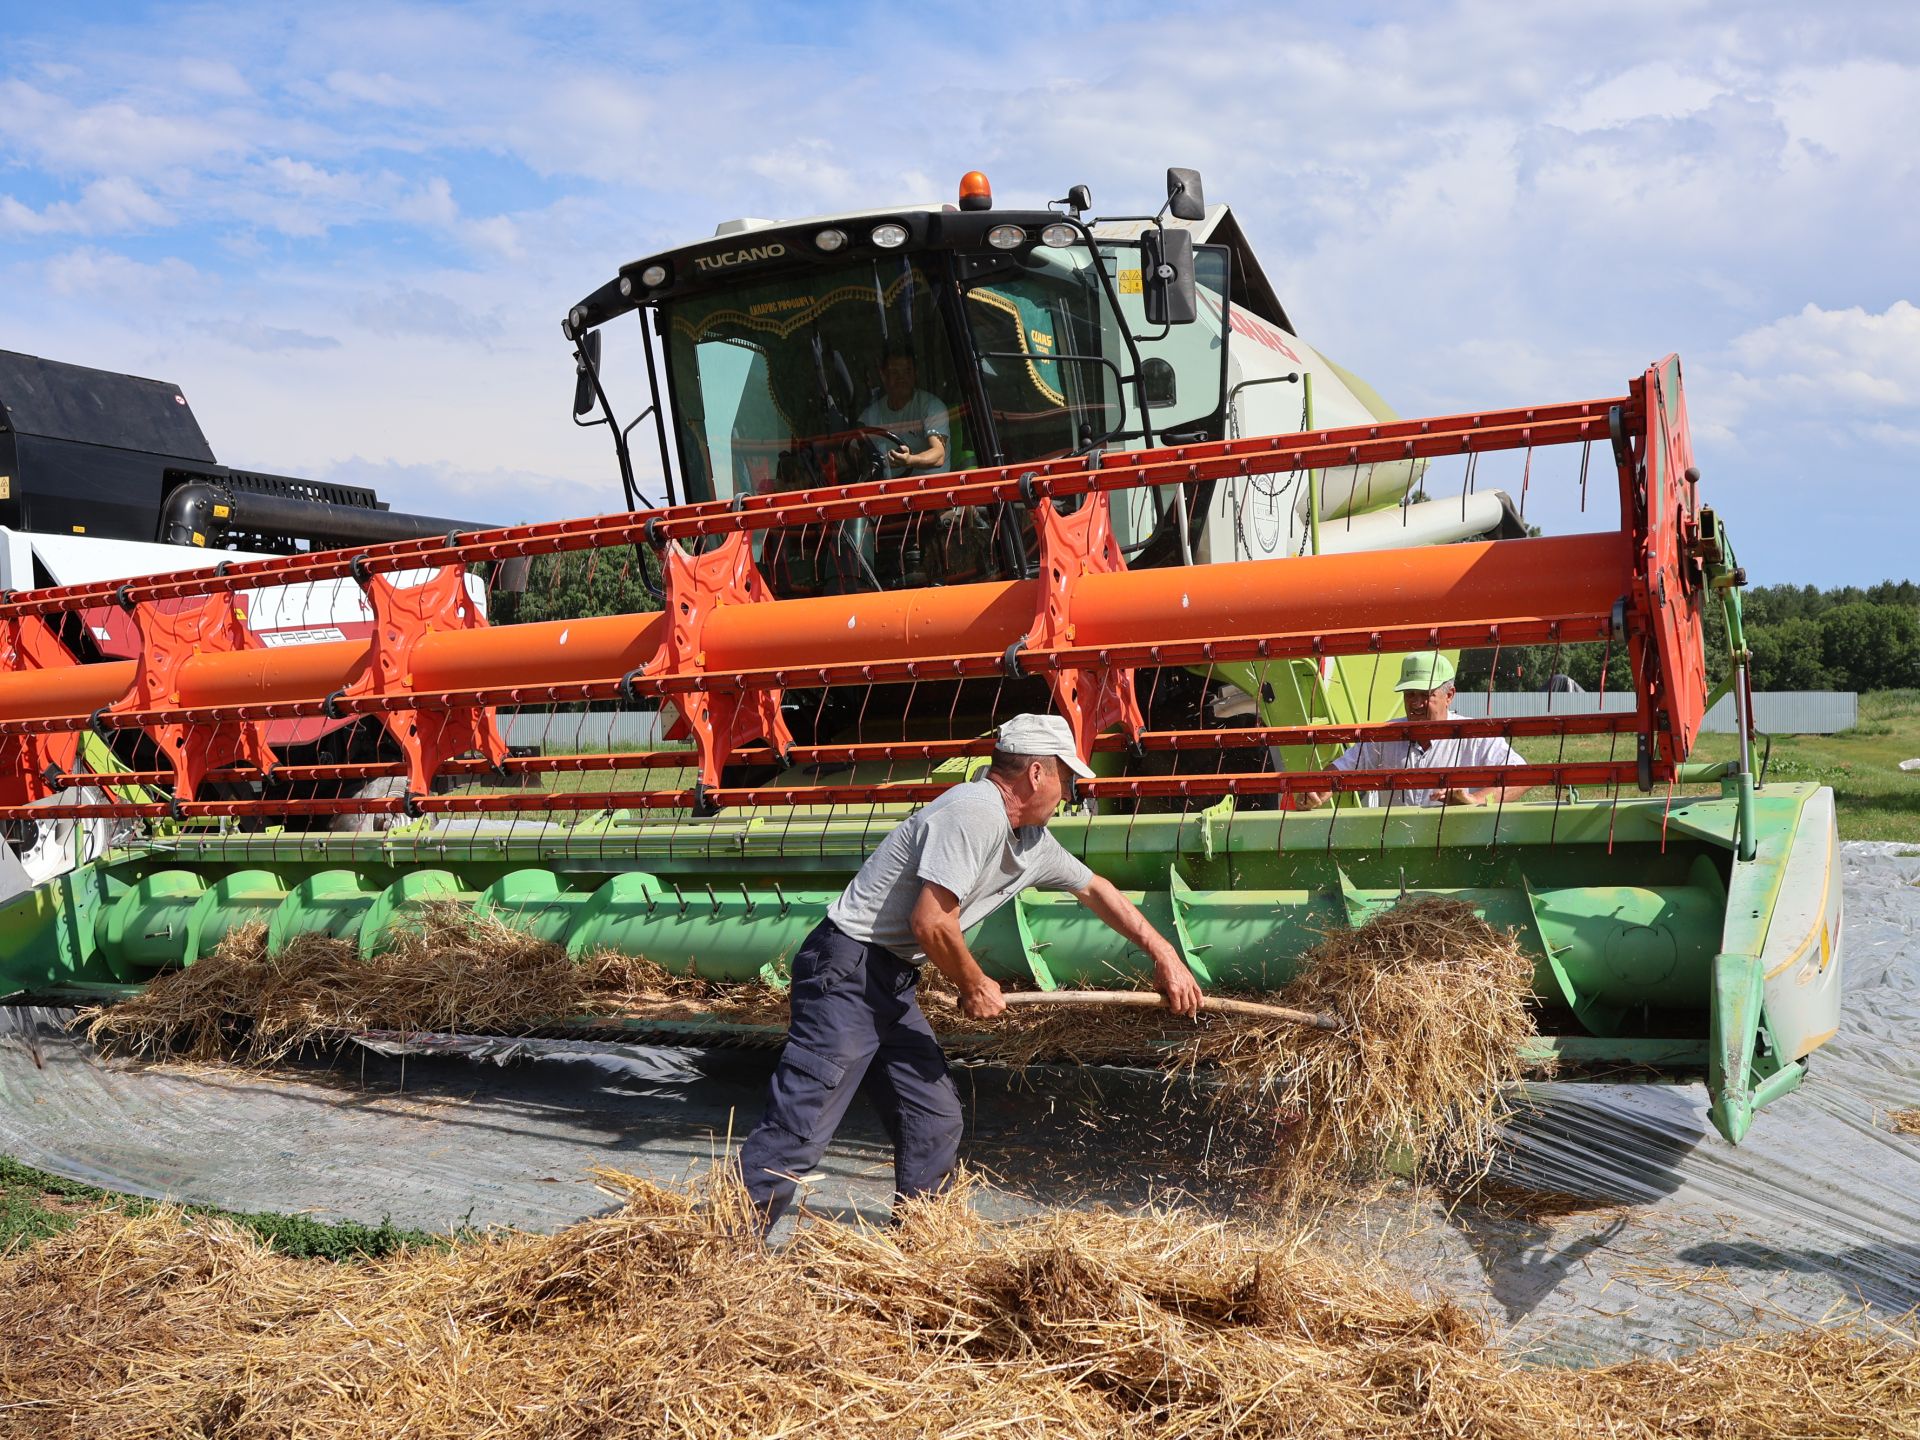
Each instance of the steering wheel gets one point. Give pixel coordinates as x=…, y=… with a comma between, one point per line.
x=860, y=461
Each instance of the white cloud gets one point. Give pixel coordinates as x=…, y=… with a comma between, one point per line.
x=304, y=178
x=106, y=207
x=265, y=339
x=109, y=278
x=1658, y=89
x=430, y=204
x=214, y=77
x=1851, y=367
x=378, y=89
x=414, y=313
x=116, y=136
x=805, y=173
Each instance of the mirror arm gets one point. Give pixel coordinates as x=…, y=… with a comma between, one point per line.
x=659, y=415
x=622, y=456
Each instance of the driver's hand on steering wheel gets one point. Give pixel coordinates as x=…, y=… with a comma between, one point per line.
x=901, y=459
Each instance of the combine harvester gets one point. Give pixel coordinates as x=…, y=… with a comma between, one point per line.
x=1154, y=508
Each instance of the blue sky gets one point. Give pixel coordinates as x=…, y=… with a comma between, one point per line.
x=349, y=231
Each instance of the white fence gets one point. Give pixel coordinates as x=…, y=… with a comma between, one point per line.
x=1775, y=712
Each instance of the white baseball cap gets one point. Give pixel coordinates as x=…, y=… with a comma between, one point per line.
x=1042, y=735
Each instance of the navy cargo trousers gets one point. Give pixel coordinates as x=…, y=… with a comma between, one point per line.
x=857, y=1025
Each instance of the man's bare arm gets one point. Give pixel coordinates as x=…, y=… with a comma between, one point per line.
x=931, y=458
x=1170, y=974
x=1487, y=795
x=936, y=925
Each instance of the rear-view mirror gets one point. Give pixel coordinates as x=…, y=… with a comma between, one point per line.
x=1167, y=290
x=1184, y=196
x=586, y=364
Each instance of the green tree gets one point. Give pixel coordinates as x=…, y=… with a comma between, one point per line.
x=1871, y=647
x=1787, y=656
x=576, y=585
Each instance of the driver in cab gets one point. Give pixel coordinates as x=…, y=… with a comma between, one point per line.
x=917, y=418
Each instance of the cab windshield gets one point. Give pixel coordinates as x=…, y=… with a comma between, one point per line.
x=817, y=378
x=1052, y=359
x=842, y=374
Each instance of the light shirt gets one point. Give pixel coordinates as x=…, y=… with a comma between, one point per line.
x=961, y=841
x=1437, y=755
x=922, y=417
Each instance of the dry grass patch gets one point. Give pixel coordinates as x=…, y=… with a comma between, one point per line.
x=666, y=1319
x=1905, y=1122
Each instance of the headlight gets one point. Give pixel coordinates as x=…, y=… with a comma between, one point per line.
x=1006, y=237
x=626, y=286
x=1059, y=234
x=830, y=240
x=654, y=276
x=890, y=236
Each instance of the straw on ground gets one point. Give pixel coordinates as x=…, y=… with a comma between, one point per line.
x=666, y=1319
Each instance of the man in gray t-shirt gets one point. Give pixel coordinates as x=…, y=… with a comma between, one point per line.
x=903, y=409
x=964, y=843
x=857, y=1024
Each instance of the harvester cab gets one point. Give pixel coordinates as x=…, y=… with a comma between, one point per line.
x=1033, y=335
x=925, y=467
x=912, y=343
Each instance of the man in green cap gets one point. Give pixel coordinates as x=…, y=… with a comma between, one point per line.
x=1426, y=687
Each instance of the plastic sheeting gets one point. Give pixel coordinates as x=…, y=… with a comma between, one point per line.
x=1679, y=1237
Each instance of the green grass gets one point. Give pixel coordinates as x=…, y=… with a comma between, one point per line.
x=1875, y=799
x=35, y=1205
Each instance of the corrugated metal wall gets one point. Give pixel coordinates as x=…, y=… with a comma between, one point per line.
x=1777, y=712
x=580, y=729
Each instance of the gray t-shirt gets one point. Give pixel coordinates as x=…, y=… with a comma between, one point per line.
x=961, y=841
x=922, y=417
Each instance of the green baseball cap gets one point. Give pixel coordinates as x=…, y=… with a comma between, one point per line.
x=1428, y=670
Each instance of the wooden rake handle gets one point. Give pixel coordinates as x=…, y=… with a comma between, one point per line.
x=1147, y=1000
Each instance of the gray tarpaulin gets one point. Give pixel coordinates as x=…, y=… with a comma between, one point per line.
x=1683, y=1236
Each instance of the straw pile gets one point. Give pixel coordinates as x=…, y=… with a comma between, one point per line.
x=1905, y=1122
x=451, y=968
x=663, y=1320
x=1434, y=1005
x=1434, y=1011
